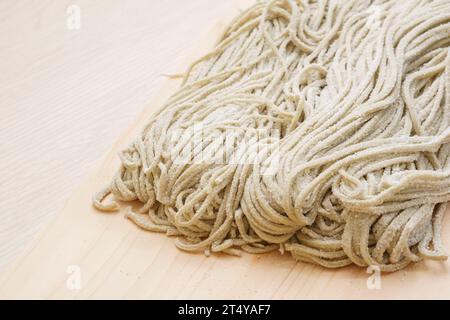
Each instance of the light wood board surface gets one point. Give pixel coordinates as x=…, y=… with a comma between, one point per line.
x=115, y=259
x=67, y=95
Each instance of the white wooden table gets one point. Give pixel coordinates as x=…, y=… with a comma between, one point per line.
x=66, y=95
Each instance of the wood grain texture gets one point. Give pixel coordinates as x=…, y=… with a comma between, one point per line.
x=119, y=260
x=67, y=95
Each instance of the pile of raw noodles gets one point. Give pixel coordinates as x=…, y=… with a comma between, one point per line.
x=358, y=92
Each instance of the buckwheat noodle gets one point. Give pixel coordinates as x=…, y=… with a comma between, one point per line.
x=358, y=92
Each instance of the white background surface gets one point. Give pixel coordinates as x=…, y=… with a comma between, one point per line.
x=67, y=95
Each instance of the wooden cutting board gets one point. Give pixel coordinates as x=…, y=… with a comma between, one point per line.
x=83, y=254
